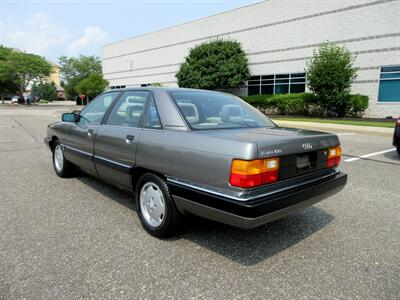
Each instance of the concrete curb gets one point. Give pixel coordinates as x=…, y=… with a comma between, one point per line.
x=37, y=110
x=336, y=127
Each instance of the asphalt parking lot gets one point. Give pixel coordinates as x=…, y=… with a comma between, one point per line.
x=79, y=238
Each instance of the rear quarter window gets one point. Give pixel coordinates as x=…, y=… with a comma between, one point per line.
x=210, y=110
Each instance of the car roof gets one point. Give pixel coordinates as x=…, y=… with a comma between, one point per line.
x=166, y=89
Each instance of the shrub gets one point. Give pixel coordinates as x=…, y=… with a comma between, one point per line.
x=330, y=74
x=357, y=104
x=293, y=104
x=285, y=104
x=305, y=104
x=42, y=101
x=46, y=91
x=259, y=101
x=218, y=64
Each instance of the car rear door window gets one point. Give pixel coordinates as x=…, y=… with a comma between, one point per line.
x=129, y=110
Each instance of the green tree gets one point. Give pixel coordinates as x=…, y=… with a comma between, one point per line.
x=9, y=81
x=330, y=74
x=46, y=91
x=92, y=85
x=218, y=64
x=76, y=69
x=29, y=67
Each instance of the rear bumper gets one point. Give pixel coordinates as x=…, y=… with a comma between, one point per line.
x=253, y=213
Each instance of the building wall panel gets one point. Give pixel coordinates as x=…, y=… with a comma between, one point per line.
x=278, y=36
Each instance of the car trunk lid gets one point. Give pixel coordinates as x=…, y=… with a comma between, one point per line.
x=286, y=141
x=278, y=141
x=299, y=151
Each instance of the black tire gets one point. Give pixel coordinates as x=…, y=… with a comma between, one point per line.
x=170, y=219
x=67, y=169
x=398, y=150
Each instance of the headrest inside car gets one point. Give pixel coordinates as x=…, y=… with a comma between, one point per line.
x=133, y=112
x=190, y=112
x=231, y=113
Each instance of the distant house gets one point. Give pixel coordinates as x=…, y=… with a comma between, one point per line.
x=54, y=77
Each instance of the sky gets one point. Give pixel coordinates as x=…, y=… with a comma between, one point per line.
x=52, y=28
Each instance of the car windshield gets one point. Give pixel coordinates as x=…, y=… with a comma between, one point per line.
x=210, y=110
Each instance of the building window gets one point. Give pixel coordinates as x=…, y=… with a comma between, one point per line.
x=389, y=84
x=117, y=87
x=277, y=84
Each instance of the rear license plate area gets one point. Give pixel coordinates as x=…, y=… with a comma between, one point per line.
x=303, y=162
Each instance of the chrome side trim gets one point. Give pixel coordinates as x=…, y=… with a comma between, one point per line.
x=112, y=161
x=77, y=150
x=202, y=189
x=96, y=156
x=192, y=186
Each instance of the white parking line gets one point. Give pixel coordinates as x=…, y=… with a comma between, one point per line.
x=369, y=155
x=5, y=126
x=346, y=133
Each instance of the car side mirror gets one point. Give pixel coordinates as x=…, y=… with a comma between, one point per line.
x=76, y=111
x=69, y=117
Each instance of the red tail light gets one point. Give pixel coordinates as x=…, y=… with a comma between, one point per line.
x=334, y=155
x=251, y=173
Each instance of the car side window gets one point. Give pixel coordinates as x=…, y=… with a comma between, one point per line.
x=129, y=110
x=95, y=110
x=152, y=117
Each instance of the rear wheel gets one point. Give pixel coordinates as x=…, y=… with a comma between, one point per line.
x=61, y=166
x=155, y=206
x=398, y=150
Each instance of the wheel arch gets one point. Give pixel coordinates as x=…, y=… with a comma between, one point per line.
x=139, y=172
x=52, y=141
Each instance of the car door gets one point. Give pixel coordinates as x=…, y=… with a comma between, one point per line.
x=117, y=138
x=78, y=137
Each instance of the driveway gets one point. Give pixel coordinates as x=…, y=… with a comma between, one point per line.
x=80, y=238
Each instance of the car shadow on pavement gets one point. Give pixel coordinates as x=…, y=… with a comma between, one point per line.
x=393, y=156
x=247, y=247
x=122, y=197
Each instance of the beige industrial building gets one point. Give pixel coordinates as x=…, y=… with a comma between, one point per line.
x=279, y=37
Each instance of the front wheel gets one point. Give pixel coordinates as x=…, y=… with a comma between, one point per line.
x=155, y=206
x=61, y=166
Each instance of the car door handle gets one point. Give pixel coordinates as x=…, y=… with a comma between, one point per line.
x=129, y=139
x=90, y=132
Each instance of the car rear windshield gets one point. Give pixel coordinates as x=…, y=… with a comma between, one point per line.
x=209, y=110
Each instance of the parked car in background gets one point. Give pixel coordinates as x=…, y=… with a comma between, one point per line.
x=396, y=136
x=30, y=99
x=184, y=151
x=15, y=99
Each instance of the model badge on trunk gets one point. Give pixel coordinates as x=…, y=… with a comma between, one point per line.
x=307, y=146
x=271, y=152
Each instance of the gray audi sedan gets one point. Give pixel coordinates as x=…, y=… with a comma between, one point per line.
x=187, y=151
